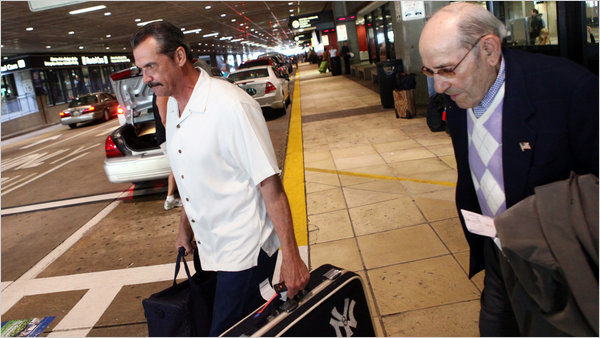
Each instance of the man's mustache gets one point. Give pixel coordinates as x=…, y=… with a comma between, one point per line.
x=154, y=84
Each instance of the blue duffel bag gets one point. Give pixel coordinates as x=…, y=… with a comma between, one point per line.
x=184, y=309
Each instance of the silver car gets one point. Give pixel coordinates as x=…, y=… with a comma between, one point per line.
x=267, y=85
x=132, y=151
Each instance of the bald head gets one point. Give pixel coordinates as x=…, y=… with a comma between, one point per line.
x=461, y=45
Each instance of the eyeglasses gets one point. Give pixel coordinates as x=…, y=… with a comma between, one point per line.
x=449, y=72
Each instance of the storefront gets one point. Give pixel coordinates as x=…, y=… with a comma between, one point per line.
x=56, y=78
x=374, y=28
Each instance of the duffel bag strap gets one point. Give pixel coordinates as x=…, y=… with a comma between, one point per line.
x=180, y=258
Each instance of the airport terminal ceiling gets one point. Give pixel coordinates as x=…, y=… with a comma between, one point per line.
x=110, y=29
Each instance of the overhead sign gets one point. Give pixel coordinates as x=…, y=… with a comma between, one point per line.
x=412, y=10
x=119, y=59
x=302, y=37
x=318, y=21
x=304, y=23
x=94, y=60
x=19, y=64
x=56, y=61
x=59, y=61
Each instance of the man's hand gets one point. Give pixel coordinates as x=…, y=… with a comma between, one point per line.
x=294, y=273
x=293, y=270
x=185, y=237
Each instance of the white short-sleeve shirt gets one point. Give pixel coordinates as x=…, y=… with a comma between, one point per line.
x=219, y=151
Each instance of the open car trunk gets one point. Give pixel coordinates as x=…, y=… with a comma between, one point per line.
x=134, y=139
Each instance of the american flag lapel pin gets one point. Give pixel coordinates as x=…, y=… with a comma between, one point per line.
x=524, y=146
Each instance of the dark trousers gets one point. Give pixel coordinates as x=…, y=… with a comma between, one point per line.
x=496, y=317
x=347, y=64
x=238, y=293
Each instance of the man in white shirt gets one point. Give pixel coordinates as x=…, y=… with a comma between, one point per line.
x=235, y=211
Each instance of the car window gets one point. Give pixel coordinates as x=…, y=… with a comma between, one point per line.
x=248, y=74
x=255, y=63
x=83, y=100
x=276, y=71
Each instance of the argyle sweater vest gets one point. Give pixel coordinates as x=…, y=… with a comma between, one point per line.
x=485, y=156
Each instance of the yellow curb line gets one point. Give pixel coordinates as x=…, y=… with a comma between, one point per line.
x=293, y=172
x=380, y=177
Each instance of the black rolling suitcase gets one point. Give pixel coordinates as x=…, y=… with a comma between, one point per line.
x=332, y=304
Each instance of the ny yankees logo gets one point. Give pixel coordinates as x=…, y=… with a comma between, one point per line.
x=345, y=321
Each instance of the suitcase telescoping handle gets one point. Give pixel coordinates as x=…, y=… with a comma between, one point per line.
x=180, y=258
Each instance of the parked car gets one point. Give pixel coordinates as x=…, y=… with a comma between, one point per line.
x=282, y=59
x=89, y=107
x=266, y=61
x=266, y=84
x=132, y=152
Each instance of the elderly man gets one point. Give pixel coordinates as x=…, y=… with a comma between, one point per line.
x=522, y=120
x=235, y=211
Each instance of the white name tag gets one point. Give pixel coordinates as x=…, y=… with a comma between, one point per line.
x=266, y=290
x=479, y=224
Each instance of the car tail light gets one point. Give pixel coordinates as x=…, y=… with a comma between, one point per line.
x=110, y=148
x=89, y=109
x=120, y=110
x=124, y=74
x=269, y=87
x=64, y=114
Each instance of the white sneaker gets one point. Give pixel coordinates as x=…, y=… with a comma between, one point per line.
x=175, y=203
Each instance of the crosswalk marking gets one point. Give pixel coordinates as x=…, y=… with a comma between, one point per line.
x=43, y=174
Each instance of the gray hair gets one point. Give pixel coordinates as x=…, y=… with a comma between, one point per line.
x=474, y=22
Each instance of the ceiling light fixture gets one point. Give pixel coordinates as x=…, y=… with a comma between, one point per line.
x=48, y=47
x=29, y=29
x=108, y=35
x=137, y=20
x=80, y=47
x=88, y=9
x=107, y=48
x=232, y=20
x=198, y=30
x=107, y=13
x=210, y=35
x=147, y=22
x=236, y=40
x=226, y=38
x=290, y=3
x=71, y=33
x=223, y=15
x=182, y=29
x=291, y=11
x=207, y=7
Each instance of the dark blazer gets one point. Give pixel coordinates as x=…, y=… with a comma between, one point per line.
x=549, y=102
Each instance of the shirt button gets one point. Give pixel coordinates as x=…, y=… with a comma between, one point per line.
x=179, y=151
x=181, y=176
x=178, y=126
x=198, y=242
x=193, y=221
x=187, y=199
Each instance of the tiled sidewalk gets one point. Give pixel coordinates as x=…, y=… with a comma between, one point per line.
x=370, y=210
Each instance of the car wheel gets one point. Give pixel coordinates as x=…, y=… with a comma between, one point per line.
x=106, y=114
x=73, y=125
x=283, y=106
